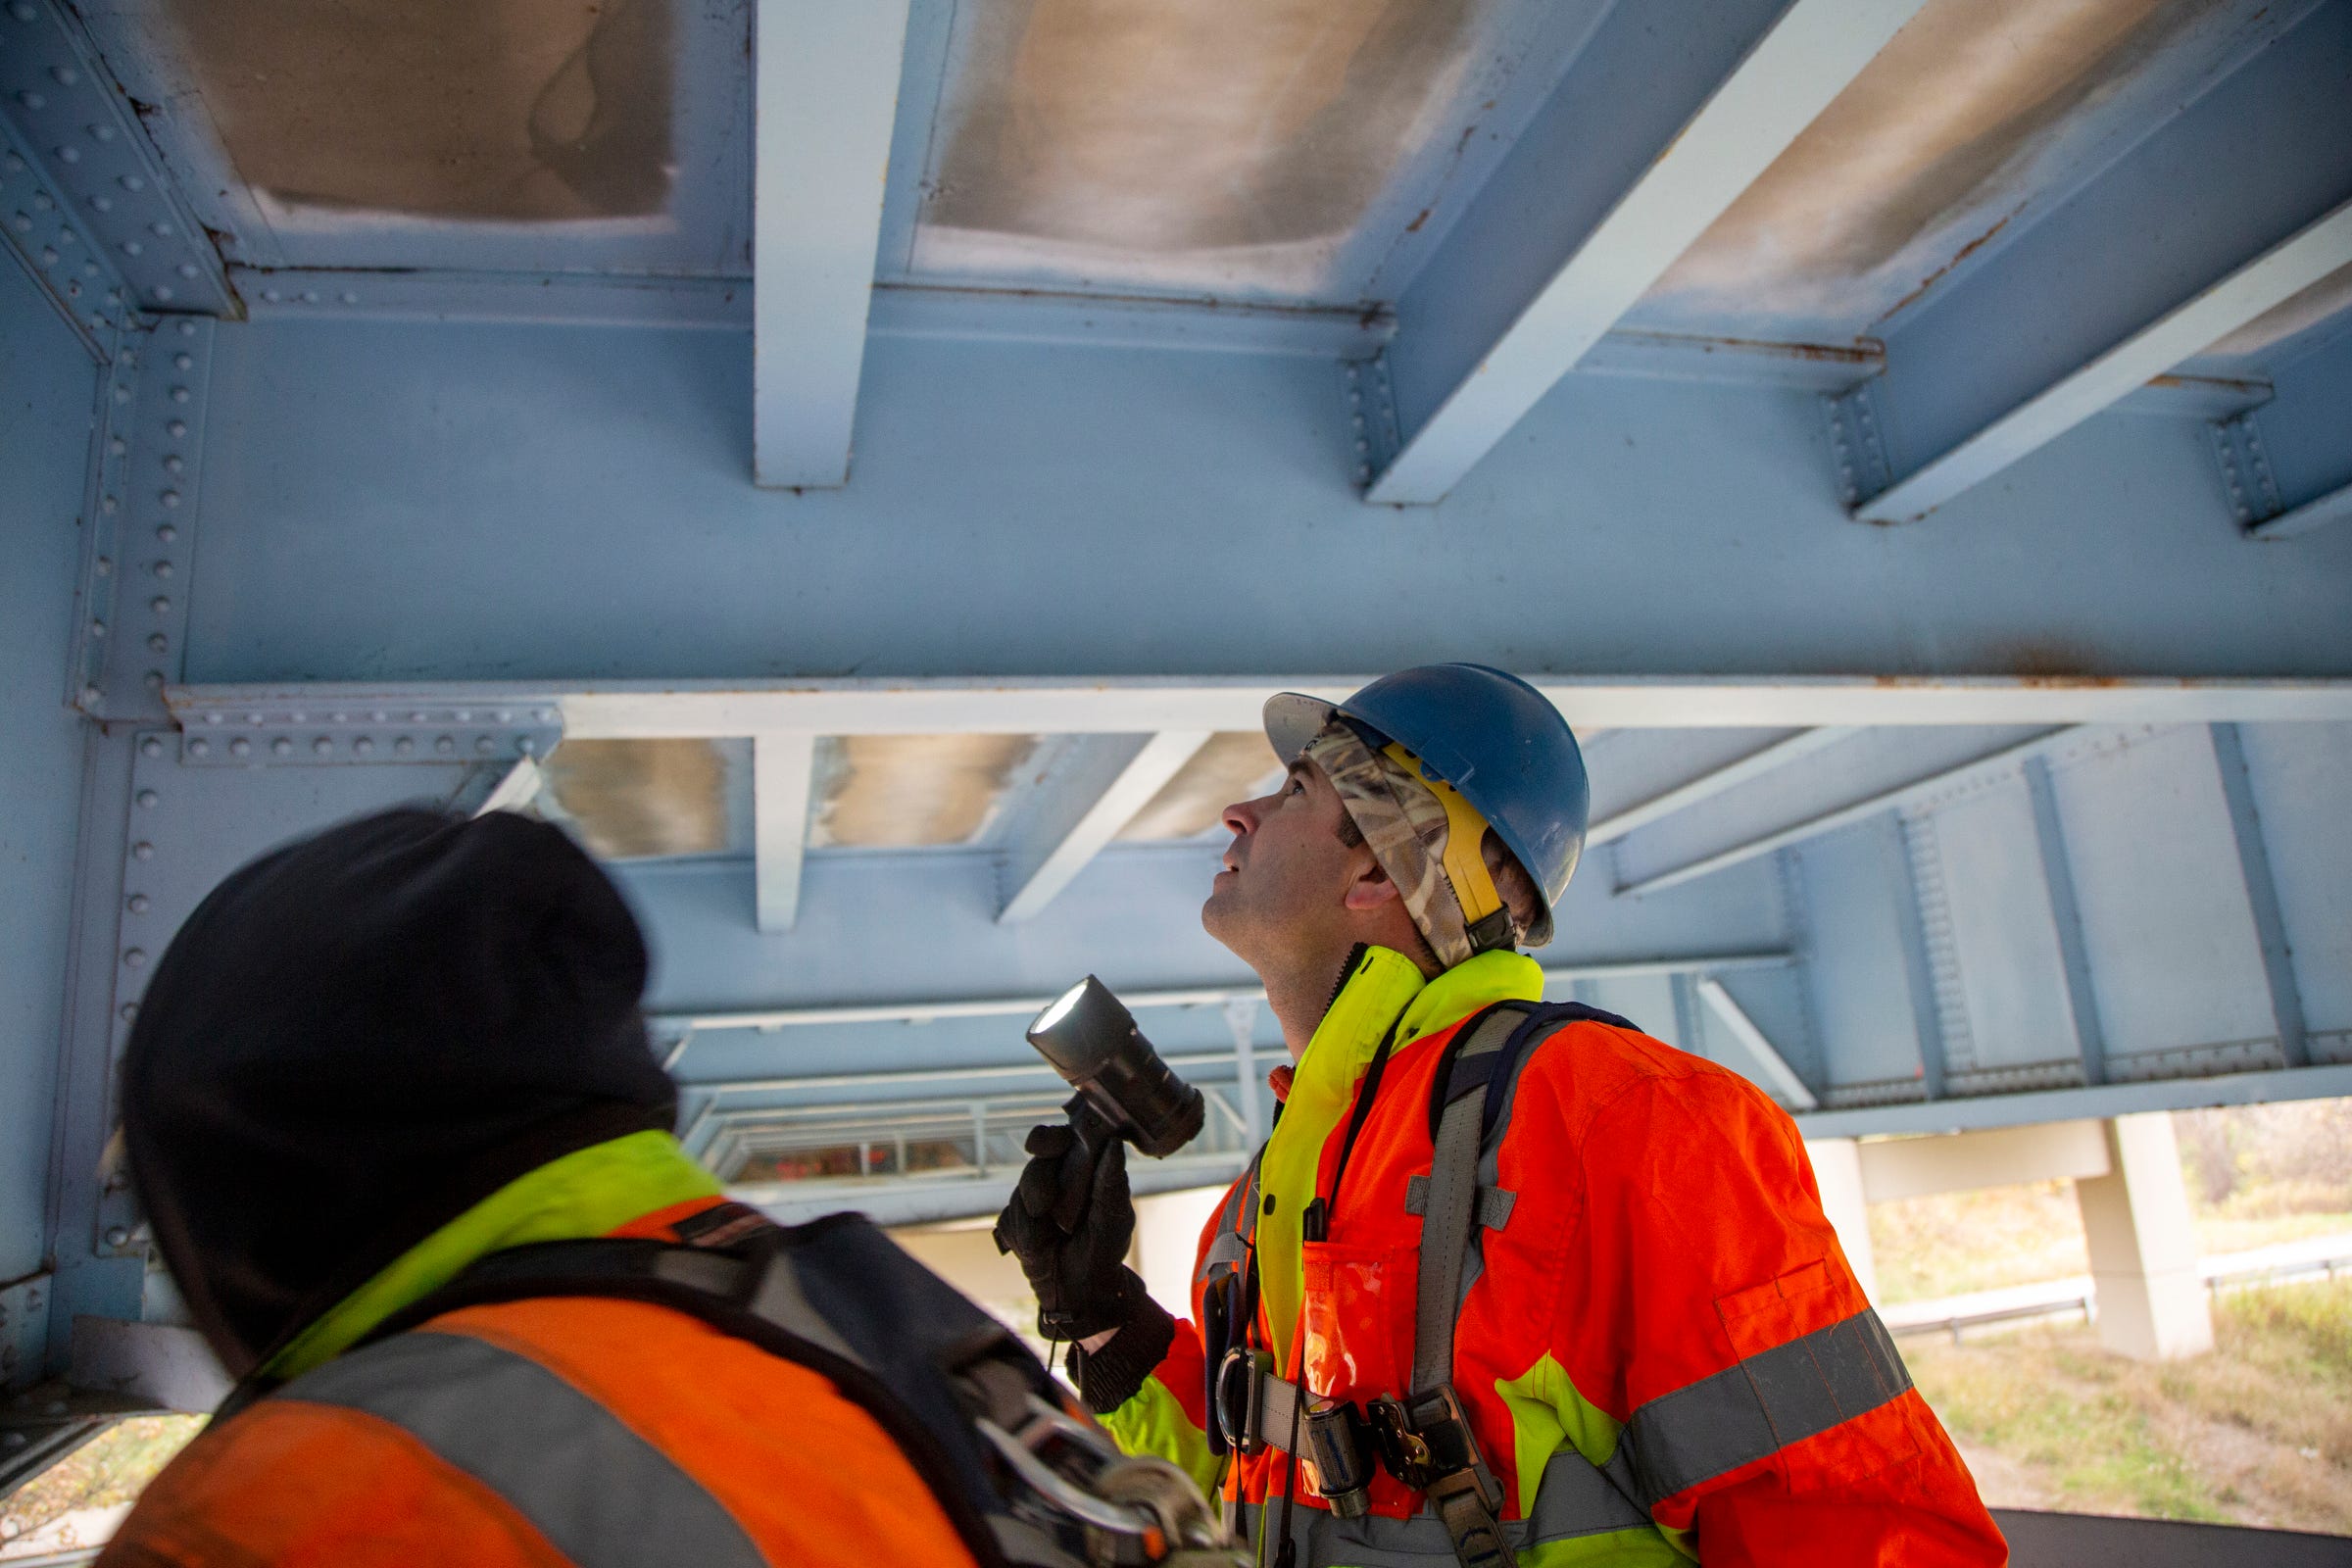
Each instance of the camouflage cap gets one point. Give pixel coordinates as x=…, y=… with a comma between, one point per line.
x=1407, y=826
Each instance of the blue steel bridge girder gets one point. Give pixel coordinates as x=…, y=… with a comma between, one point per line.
x=1600, y=194
x=2241, y=199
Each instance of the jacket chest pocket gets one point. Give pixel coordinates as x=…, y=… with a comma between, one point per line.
x=1358, y=1330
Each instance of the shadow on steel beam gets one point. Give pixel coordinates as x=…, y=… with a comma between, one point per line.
x=2095, y=1540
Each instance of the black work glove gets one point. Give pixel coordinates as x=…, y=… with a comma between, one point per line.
x=1071, y=1222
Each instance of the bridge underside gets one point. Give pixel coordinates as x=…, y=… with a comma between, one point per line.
x=1952, y=603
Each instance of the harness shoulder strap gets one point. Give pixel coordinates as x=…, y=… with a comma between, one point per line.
x=967, y=1403
x=1469, y=1109
x=1451, y=1208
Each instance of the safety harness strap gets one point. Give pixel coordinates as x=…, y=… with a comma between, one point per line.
x=1572, y=1500
x=1452, y=1202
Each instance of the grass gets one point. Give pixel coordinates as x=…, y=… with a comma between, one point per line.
x=113, y=1467
x=2258, y=1432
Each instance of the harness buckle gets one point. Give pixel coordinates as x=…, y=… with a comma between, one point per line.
x=1425, y=1441
x=1241, y=1397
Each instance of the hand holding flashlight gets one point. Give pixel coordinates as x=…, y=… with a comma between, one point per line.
x=1070, y=1218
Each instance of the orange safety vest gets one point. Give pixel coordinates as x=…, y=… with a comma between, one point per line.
x=1654, y=1335
x=541, y=1434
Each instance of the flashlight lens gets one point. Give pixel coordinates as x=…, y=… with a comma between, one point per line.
x=1060, y=1010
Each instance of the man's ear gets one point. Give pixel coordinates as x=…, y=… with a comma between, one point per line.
x=1371, y=888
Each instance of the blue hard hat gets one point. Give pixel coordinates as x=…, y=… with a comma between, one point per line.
x=1492, y=736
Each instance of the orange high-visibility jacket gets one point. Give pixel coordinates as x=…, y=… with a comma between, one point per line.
x=546, y=1433
x=1662, y=1350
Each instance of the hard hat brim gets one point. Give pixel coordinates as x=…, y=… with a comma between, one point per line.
x=1293, y=719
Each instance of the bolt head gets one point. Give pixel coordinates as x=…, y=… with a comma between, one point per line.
x=136, y=958
x=200, y=747
x=138, y=903
x=116, y=1236
x=364, y=746
x=282, y=747
x=403, y=746
x=166, y=533
x=323, y=746
x=158, y=643
x=161, y=604
x=240, y=747
x=142, y=850
x=445, y=745
x=151, y=747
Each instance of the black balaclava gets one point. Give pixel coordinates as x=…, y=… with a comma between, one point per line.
x=357, y=1038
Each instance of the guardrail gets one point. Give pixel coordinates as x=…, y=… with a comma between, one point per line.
x=2217, y=1279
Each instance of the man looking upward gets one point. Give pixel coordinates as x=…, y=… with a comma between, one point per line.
x=1506, y=1280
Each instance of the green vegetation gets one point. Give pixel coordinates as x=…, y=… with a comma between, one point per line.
x=2259, y=1431
x=2257, y=1175
x=111, y=1469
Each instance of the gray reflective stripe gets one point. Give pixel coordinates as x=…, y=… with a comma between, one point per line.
x=1227, y=1247
x=1572, y=1500
x=600, y=1494
x=1761, y=1405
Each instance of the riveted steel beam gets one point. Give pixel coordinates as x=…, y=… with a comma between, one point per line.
x=130, y=605
x=2066, y=913
x=1779, y=1078
x=1707, y=134
x=1088, y=811
x=2261, y=895
x=925, y=1011
x=2029, y=1106
x=1707, y=786
x=119, y=223
x=325, y=730
x=1829, y=821
x=622, y=709
x=2334, y=507
x=2269, y=278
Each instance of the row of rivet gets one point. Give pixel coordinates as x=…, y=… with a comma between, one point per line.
x=363, y=745
x=174, y=465
x=380, y=716
x=106, y=142
x=138, y=935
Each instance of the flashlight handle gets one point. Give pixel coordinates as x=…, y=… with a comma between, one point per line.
x=1094, y=1135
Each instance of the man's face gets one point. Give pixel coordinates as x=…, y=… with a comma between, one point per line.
x=1287, y=874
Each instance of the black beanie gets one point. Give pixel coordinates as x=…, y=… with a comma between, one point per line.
x=357, y=1038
